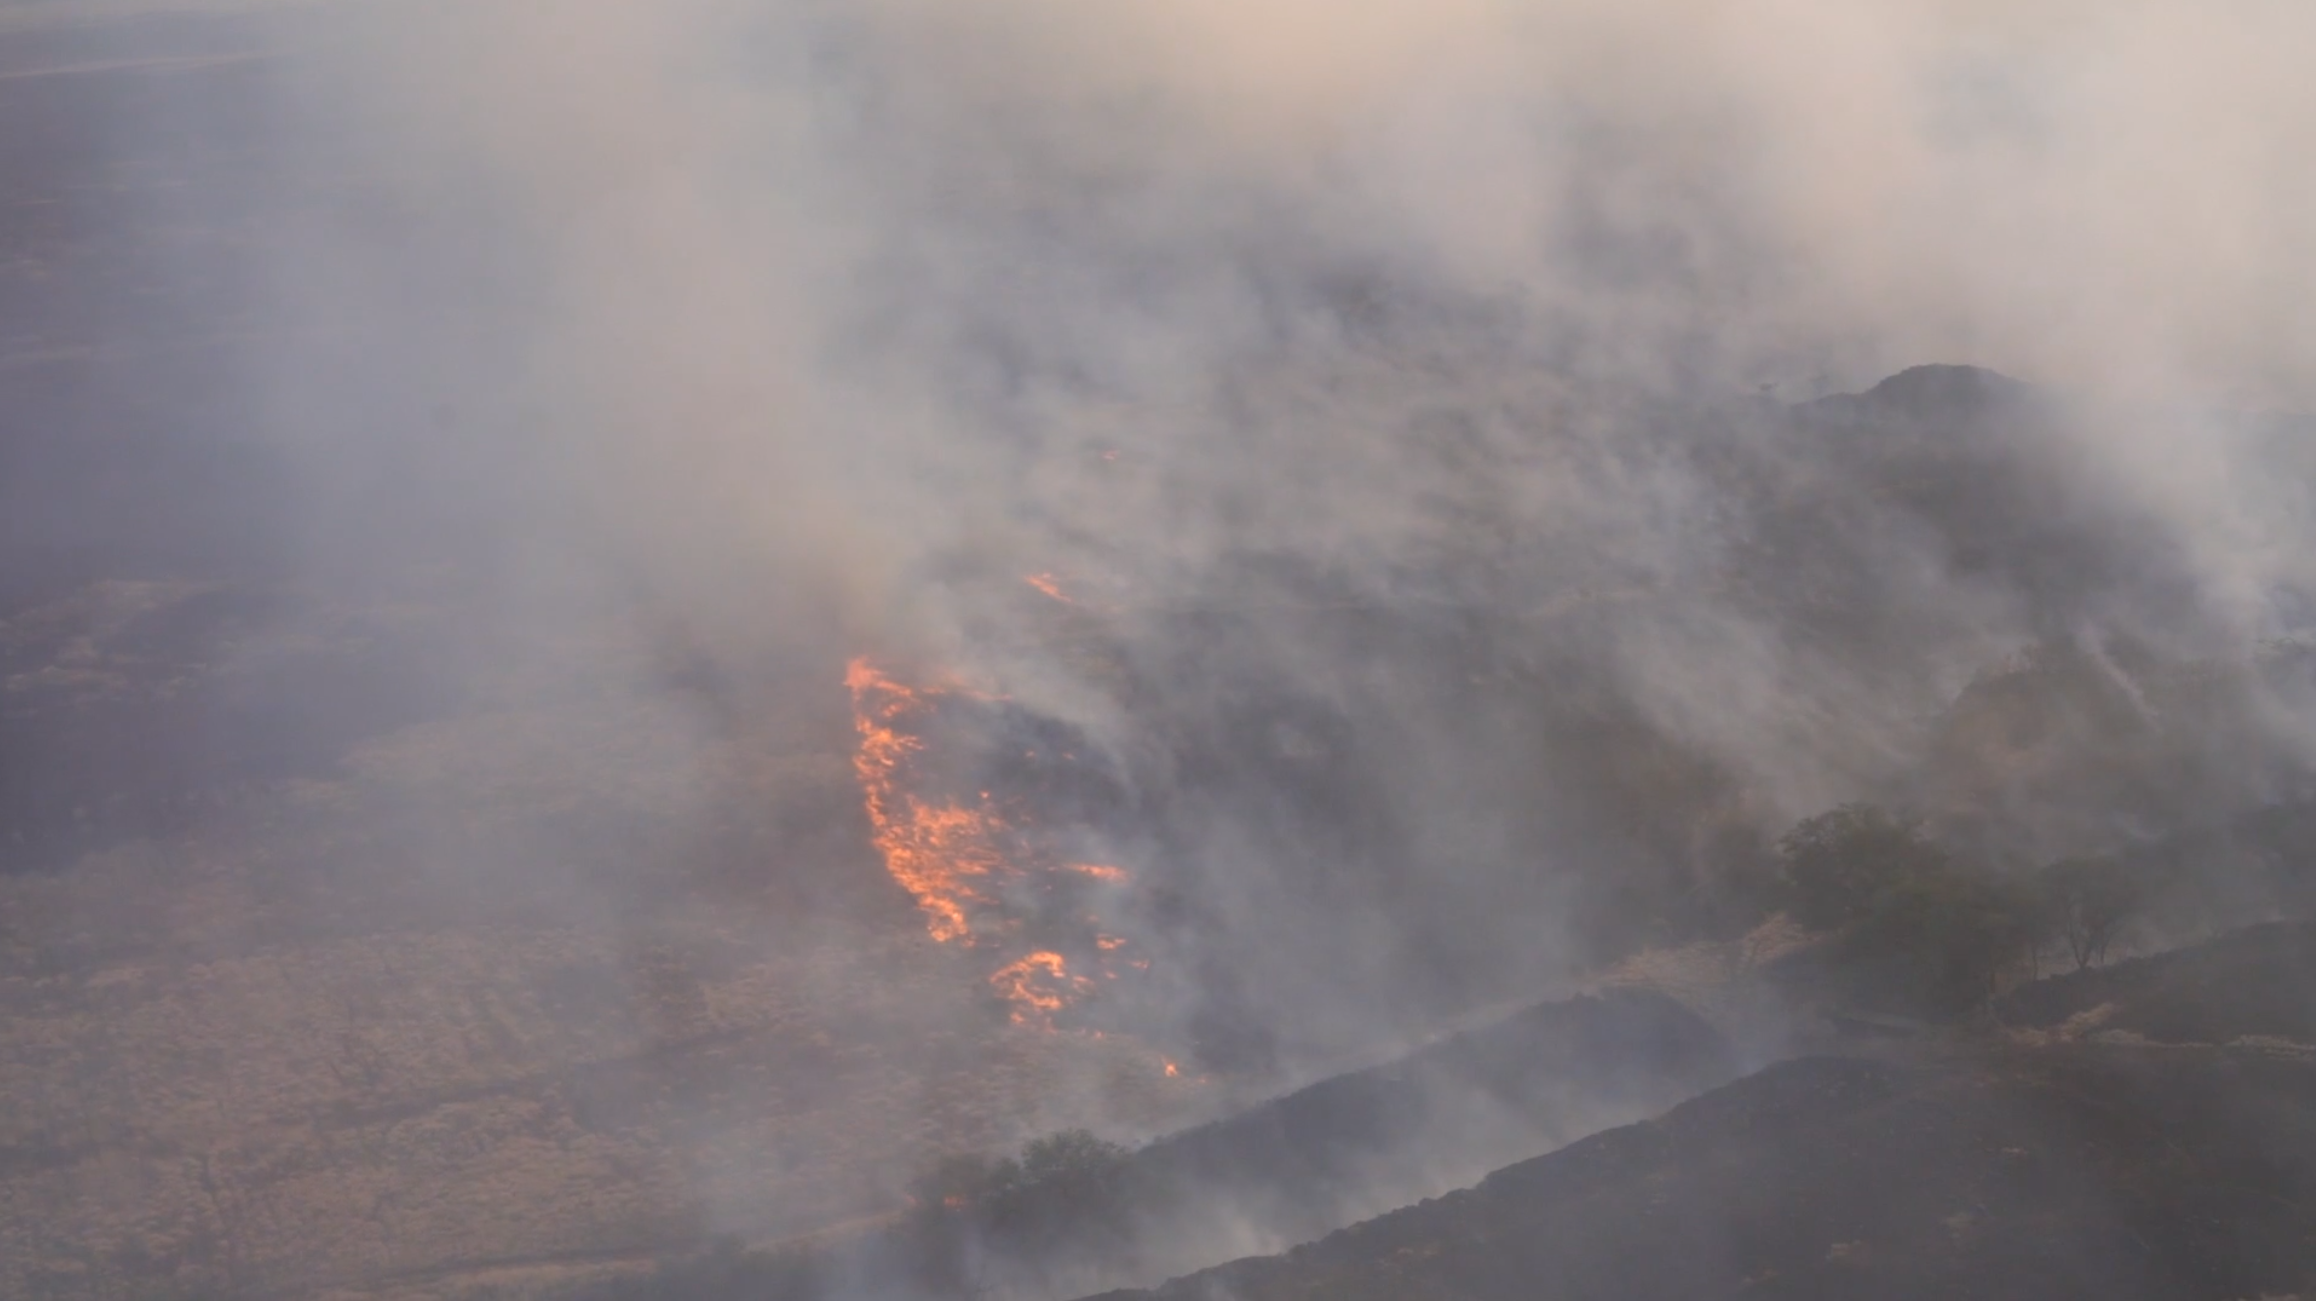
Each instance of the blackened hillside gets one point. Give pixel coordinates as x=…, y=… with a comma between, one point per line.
x=2107, y=1171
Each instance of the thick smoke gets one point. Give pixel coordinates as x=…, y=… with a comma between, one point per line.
x=1354, y=370
x=1417, y=408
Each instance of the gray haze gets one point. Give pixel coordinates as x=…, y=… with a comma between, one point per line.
x=806, y=330
x=1408, y=396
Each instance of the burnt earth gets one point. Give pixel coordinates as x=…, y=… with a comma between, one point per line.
x=2259, y=982
x=2104, y=1171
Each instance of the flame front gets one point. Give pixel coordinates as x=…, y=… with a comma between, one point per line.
x=1050, y=584
x=937, y=852
x=1038, y=986
x=961, y=861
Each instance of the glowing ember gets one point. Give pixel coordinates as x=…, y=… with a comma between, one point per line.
x=1050, y=585
x=1038, y=986
x=937, y=852
x=958, y=857
x=1172, y=1071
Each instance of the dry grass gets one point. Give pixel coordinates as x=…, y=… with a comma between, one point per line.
x=210, y=1079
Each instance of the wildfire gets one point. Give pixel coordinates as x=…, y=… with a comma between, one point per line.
x=1050, y=585
x=958, y=858
x=1038, y=986
x=936, y=851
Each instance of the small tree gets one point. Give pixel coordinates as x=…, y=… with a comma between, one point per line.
x=1069, y=1189
x=963, y=1181
x=1071, y=1158
x=1838, y=865
x=974, y=1214
x=1920, y=928
x=2087, y=902
x=1961, y=928
x=940, y=1237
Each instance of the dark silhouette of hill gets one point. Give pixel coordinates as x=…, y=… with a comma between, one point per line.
x=2259, y=982
x=1312, y=1160
x=2084, y=1171
x=2177, y=1160
x=1941, y=393
x=1286, y=1170
x=1962, y=1164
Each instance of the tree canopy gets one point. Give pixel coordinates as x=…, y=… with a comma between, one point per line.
x=1838, y=865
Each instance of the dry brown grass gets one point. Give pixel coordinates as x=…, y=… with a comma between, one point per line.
x=208, y=1078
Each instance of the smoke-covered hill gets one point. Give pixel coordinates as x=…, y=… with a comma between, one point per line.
x=626, y=626
x=2087, y=1171
x=1075, y=1212
x=2143, y=1130
x=2138, y=1130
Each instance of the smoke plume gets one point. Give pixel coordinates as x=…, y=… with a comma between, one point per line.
x=1381, y=490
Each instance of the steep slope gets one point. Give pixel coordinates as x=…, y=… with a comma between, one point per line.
x=2083, y=1171
x=1353, y=1145
x=1315, y=1159
x=1285, y=1170
x=2257, y=983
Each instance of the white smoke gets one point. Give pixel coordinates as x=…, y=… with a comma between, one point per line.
x=818, y=323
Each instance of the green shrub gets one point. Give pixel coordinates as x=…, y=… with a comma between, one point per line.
x=1837, y=866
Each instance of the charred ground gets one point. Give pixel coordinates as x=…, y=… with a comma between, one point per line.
x=348, y=943
x=2166, y=1149
x=2083, y=1171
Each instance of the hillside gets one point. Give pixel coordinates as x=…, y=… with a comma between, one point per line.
x=1279, y=1172
x=1309, y=1162
x=2085, y=1171
x=443, y=855
x=2101, y=1143
x=2257, y=983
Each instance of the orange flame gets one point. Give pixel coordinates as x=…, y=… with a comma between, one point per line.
x=1050, y=585
x=950, y=854
x=1038, y=986
x=935, y=851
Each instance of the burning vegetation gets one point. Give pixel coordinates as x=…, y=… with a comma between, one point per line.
x=1038, y=985
x=1050, y=585
x=943, y=853
x=973, y=869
